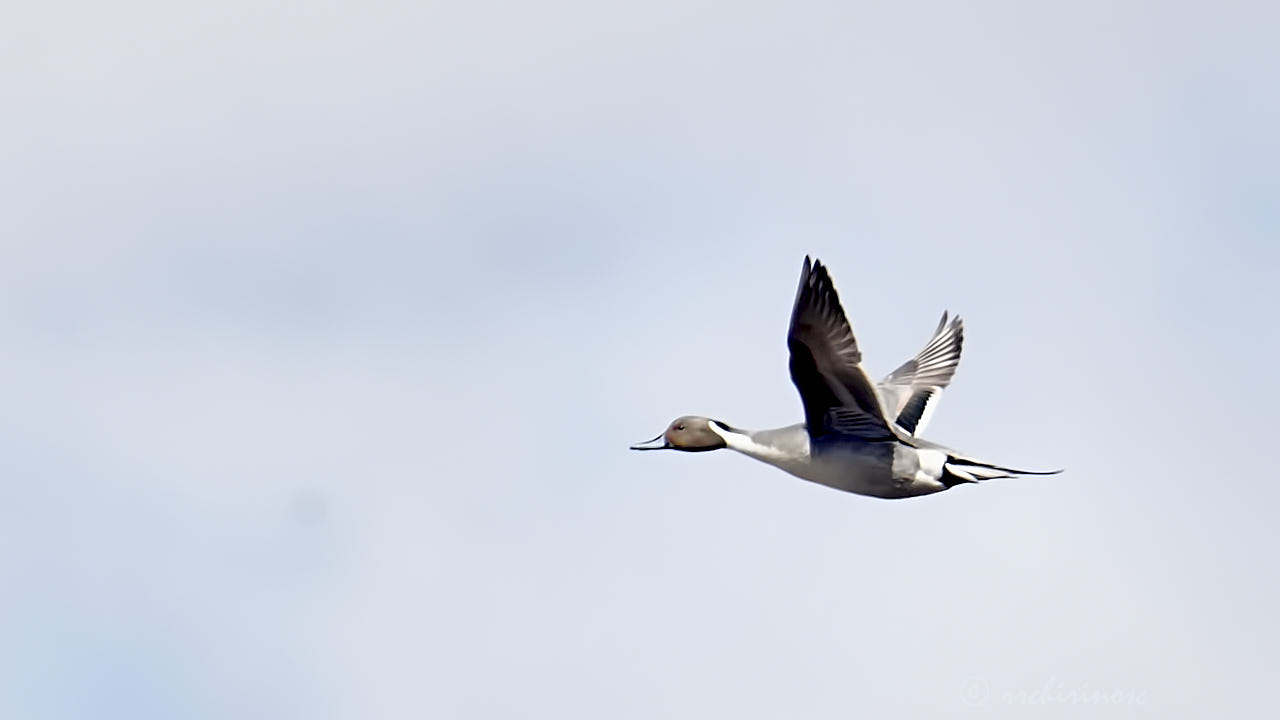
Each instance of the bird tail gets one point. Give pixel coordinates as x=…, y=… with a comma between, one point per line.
x=960, y=469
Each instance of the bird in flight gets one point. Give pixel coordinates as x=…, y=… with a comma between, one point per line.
x=857, y=436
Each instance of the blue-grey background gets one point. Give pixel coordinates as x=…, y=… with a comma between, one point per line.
x=324, y=327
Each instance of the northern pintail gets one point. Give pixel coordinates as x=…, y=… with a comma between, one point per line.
x=856, y=437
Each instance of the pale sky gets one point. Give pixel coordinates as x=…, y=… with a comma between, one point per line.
x=324, y=328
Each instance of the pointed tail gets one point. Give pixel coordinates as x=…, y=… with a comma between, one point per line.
x=959, y=469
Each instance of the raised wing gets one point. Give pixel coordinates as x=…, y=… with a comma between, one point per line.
x=826, y=366
x=911, y=393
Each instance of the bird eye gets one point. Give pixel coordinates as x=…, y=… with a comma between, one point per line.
x=680, y=426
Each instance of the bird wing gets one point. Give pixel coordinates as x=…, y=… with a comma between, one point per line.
x=826, y=365
x=911, y=393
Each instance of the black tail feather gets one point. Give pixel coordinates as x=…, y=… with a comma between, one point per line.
x=950, y=479
x=970, y=462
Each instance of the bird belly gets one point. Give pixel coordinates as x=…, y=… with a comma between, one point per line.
x=883, y=470
x=878, y=469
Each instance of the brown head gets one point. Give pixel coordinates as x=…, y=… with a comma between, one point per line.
x=689, y=433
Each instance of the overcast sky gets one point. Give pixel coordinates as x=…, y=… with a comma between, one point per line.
x=324, y=328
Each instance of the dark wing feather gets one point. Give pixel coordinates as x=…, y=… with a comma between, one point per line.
x=826, y=367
